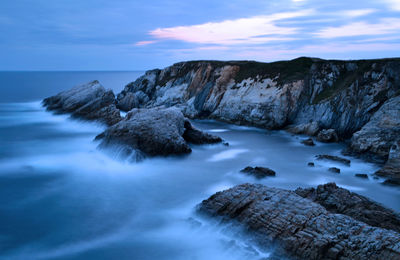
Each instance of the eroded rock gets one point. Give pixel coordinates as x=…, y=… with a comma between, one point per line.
x=298, y=227
x=328, y=136
x=258, y=172
x=333, y=158
x=89, y=101
x=154, y=132
x=391, y=170
x=308, y=142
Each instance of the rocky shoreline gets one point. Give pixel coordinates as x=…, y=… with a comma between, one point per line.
x=353, y=101
x=323, y=223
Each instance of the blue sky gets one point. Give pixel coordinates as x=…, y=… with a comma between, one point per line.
x=138, y=35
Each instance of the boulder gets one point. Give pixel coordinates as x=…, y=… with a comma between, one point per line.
x=333, y=158
x=306, y=129
x=195, y=136
x=311, y=164
x=153, y=132
x=258, y=172
x=89, y=101
x=341, y=201
x=296, y=227
x=361, y=175
x=327, y=136
x=308, y=142
x=334, y=170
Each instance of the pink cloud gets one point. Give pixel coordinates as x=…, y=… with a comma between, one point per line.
x=143, y=43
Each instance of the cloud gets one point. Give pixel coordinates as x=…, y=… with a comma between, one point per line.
x=359, y=12
x=257, y=29
x=142, y=43
x=385, y=26
x=393, y=4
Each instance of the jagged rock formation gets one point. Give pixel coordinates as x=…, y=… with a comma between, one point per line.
x=154, y=132
x=308, y=94
x=90, y=101
x=391, y=169
x=303, y=229
x=258, y=172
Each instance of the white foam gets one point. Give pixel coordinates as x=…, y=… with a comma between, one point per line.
x=226, y=155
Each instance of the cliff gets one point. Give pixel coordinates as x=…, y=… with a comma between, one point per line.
x=304, y=92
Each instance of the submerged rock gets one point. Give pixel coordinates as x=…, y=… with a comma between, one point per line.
x=361, y=175
x=258, y=172
x=333, y=158
x=297, y=227
x=154, y=132
x=89, y=101
x=309, y=142
x=328, y=136
x=310, y=164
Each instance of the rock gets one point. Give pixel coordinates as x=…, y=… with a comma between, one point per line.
x=391, y=169
x=311, y=164
x=342, y=201
x=308, y=142
x=195, y=136
x=296, y=227
x=383, y=130
x=305, y=94
x=154, y=132
x=327, y=136
x=90, y=101
x=333, y=158
x=334, y=169
x=258, y=172
x=225, y=143
x=307, y=129
x=361, y=175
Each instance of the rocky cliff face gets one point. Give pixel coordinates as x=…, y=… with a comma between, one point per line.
x=342, y=95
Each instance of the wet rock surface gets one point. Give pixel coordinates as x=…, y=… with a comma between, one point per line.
x=327, y=136
x=308, y=142
x=391, y=170
x=333, y=158
x=155, y=132
x=89, y=101
x=300, y=228
x=334, y=170
x=361, y=175
x=342, y=201
x=258, y=172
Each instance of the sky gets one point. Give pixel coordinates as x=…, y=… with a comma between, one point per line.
x=142, y=34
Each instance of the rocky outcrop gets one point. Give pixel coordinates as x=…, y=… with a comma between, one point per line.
x=333, y=158
x=308, y=142
x=306, y=94
x=299, y=228
x=341, y=201
x=154, y=132
x=391, y=170
x=334, y=170
x=258, y=172
x=381, y=132
x=90, y=101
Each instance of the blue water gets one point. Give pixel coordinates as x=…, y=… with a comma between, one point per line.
x=62, y=198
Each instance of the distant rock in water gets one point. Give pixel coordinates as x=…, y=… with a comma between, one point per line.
x=155, y=132
x=328, y=136
x=308, y=142
x=309, y=228
x=361, y=175
x=334, y=170
x=258, y=172
x=90, y=101
x=310, y=164
x=333, y=158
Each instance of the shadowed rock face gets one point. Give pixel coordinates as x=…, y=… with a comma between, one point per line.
x=300, y=228
x=392, y=167
x=155, y=132
x=90, y=101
